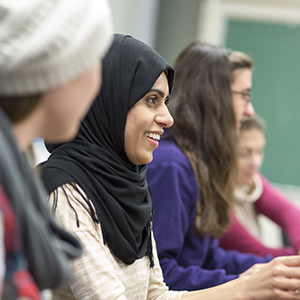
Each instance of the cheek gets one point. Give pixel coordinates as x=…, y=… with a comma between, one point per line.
x=66, y=106
x=95, y=82
x=61, y=129
x=243, y=165
x=84, y=94
x=259, y=161
x=130, y=127
x=130, y=135
x=83, y=90
x=239, y=112
x=63, y=118
x=236, y=109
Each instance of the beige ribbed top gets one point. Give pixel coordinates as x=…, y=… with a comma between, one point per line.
x=98, y=274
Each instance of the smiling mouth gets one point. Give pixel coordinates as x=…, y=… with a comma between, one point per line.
x=153, y=136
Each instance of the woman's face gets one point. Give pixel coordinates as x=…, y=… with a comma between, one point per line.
x=251, y=146
x=67, y=105
x=146, y=121
x=242, y=84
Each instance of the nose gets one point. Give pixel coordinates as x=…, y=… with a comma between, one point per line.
x=164, y=117
x=249, y=110
x=256, y=161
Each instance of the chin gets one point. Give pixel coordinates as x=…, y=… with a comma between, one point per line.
x=147, y=160
x=141, y=160
x=244, y=181
x=247, y=182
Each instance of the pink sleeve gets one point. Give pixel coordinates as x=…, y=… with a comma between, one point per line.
x=281, y=210
x=238, y=238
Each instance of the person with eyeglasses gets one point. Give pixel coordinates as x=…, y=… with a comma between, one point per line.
x=255, y=195
x=191, y=181
x=241, y=84
x=245, y=95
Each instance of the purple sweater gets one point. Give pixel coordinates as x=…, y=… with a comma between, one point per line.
x=190, y=261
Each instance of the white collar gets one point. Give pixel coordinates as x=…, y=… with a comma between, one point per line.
x=241, y=193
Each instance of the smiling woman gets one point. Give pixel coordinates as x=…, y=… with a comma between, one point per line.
x=145, y=122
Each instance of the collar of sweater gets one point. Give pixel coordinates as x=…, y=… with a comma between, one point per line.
x=241, y=193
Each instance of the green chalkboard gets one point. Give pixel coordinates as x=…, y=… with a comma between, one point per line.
x=275, y=49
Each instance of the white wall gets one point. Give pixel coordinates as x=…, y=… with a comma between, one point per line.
x=135, y=17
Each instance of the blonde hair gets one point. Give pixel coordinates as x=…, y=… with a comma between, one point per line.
x=254, y=122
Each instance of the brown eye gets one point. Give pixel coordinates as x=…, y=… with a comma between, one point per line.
x=152, y=100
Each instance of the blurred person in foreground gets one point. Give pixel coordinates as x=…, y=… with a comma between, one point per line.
x=50, y=72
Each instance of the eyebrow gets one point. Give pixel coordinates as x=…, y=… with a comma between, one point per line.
x=160, y=92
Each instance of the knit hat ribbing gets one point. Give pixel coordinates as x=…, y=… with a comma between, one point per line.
x=46, y=43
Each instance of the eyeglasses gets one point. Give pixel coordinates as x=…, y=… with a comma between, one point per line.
x=245, y=95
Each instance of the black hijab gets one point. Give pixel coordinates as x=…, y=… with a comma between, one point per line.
x=96, y=158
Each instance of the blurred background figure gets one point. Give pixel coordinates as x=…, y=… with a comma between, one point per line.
x=191, y=174
x=255, y=195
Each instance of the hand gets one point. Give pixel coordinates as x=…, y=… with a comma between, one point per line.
x=252, y=270
x=278, y=279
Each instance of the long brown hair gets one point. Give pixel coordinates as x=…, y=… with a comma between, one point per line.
x=205, y=129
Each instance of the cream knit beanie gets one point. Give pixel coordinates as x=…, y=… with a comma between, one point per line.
x=46, y=43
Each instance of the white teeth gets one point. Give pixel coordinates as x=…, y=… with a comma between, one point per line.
x=154, y=136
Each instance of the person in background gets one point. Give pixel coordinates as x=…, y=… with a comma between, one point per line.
x=255, y=195
x=50, y=72
x=98, y=190
x=191, y=173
